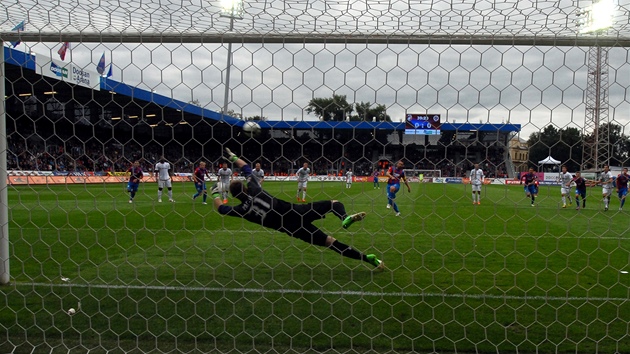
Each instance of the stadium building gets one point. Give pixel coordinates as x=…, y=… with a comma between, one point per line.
x=70, y=120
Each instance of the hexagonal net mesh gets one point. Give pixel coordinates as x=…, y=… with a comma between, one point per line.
x=469, y=252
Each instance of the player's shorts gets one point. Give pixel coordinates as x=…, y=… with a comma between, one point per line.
x=302, y=185
x=224, y=186
x=164, y=183
x=349, y=181
x=375, y=179
x=390, y=194
x=298, y=222
x=531, y=189
x=132, y=187
x=579, y=193
x=622, y=192
x=200, y=186
x=476, y=187
x=606, y=191
x=565, y=190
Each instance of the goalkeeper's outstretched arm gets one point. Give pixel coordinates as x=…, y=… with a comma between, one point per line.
x=234, y=159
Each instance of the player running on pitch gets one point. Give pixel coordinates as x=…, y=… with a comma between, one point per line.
x=224, y=177
x=606, y=181
x=199, y=177
x=375, y=180
x=135, y=175
x=530, y=179
x=565, y=186
x=395, y=174
x=622, y=187
x=259, y=207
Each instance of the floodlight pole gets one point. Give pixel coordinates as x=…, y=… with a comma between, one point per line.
x=228, y=66
x=5, y=274
x=595, y=19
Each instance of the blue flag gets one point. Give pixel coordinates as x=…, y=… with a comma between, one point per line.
x=100, y=68
x=109, y=73
x=20, y=27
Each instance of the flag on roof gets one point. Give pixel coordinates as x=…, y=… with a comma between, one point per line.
x=20, y=27
x=62, y=51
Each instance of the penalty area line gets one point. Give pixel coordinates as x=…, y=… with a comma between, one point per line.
x=373, y=294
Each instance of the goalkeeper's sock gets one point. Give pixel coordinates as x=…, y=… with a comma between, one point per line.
x=346, y=250
x=339, y=210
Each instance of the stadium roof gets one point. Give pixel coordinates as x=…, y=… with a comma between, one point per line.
x=122, y=94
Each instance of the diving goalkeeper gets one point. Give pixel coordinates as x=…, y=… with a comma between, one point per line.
x=259, y=207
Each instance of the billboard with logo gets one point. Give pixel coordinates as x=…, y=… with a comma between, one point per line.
x=67, y=72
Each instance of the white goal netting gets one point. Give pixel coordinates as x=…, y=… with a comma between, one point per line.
x=91, y=87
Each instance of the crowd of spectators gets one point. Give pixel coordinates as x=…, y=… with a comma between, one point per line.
x=76, y=156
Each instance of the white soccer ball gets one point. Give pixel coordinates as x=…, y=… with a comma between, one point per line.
x=71, y=311
x=251, y=128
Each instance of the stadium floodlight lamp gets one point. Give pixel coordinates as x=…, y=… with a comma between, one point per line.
x=232, y=9
x=597, y=17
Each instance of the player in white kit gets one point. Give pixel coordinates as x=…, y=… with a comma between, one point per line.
x=349, y=175
x=476, y=180
x=606, y=181
x=302, y=175
x=224, y=177
x=163, y=176
x=259, y=173
x=565, y=186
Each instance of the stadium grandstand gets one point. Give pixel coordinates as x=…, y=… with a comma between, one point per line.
x=68, y=128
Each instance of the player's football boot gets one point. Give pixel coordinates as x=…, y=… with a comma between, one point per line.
x=349, y=220
x=371, y=258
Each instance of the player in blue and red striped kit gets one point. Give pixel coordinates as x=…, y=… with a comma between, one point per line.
x=622, y=186
x=530, y=180
x=395, y=175
x=135, y=175
x=199, y=177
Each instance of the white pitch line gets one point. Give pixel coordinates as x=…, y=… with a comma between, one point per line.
x=334, y=293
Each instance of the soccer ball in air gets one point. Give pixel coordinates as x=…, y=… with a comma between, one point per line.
x=251, y=128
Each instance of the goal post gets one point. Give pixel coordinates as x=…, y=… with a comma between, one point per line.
x=105, y=257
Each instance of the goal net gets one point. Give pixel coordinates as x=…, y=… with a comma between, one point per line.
x=104, y=249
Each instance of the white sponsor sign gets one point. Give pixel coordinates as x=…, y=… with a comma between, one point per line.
x=68, y=72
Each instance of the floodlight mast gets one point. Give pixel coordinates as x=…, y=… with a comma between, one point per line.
x=596, y=19
x=233, y=9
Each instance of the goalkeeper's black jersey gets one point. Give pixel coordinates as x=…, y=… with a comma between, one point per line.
x=260, y=207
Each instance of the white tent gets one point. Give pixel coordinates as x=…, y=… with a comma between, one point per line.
x=549, y=161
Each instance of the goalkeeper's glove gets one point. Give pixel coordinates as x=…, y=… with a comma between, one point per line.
x=230, y=155
x=215, y=192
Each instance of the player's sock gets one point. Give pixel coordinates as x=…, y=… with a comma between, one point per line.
x=339, y=210
x=195, y=195
x=623, y=201
x=346, y=250
x=564, y=200
x=159, y=194
x=132, y=195
x=533, y=199
x=474, y=197
x=205, y=196
x=304, y=195
x=170, y=194
x=395, y=207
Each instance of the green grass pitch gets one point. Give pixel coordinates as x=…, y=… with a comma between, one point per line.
x=498, y=277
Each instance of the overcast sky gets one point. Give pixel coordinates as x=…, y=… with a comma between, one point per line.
x=531, y=86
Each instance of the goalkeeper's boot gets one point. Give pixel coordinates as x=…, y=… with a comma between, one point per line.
x=371, y=258
x=349, y=220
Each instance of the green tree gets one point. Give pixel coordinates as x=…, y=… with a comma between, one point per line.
x=618, y=145
x=366, y=112
x=335, y=108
